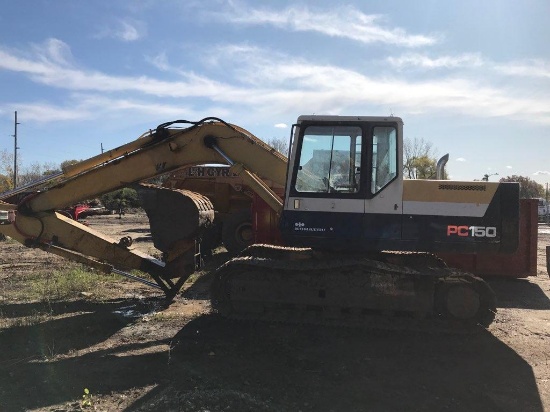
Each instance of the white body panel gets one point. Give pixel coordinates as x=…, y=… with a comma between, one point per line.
x=327, y=205
x=388, y=201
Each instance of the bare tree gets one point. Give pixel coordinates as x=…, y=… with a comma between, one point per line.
x=26, y=174
x=279, y=144
x=34, y=172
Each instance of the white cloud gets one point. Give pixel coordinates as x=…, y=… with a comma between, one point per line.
x=40, y=63
x=128, y=32
x=281, y=126
x=345, y=22
x=124, y=30
x=56, y=51
x=461, y=159
x=541, y=172
x=337, y=86
x=535, y=68
x=528, y=68
x=50, y=72
x=48, y=112
x=413, y=60
x=268, y=82
x=509, y=167
x=160, y=61
x=90, y=106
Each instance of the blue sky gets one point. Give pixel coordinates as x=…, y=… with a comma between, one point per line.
x=471, y=77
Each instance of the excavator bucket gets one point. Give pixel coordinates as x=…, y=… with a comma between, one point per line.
x=177, y=219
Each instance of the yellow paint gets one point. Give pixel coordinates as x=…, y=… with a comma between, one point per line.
x=448, y=191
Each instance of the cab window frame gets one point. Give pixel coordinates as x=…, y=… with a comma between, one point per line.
x=366, y=168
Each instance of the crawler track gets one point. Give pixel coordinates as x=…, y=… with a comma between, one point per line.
x=300, y=285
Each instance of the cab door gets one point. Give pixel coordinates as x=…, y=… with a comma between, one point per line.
x=383, y=204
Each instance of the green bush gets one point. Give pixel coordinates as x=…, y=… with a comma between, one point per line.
x=122, y=198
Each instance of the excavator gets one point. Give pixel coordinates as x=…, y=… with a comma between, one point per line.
x=357, y=240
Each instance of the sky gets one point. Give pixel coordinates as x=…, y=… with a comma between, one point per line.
x=470, y=77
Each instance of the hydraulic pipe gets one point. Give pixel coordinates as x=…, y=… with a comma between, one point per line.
x=259, y=187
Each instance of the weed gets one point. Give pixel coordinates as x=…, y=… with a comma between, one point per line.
x=50, y=354
x=65, y=283
x=87, y=401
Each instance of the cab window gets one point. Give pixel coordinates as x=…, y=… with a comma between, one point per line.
x=330, y=160
x=384, y=157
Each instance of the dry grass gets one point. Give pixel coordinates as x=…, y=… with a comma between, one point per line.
x=66, y=284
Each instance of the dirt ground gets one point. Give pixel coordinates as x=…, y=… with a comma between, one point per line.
x=133, y=353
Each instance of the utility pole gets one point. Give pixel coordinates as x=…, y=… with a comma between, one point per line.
x=15, y=153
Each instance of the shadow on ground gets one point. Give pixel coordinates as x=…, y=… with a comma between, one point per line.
x=215, y=364
x=519, y=293
x=30, y=374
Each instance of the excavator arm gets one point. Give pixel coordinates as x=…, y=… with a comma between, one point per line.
x=176, y=217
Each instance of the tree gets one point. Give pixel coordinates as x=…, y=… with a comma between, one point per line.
x=26, y=174
x=34, y=172
x=66, y=163
x=423, y=167
x=279, y=144
x=6, y=170
x=121, y=198
x=528, y=188
x=419, y=159
x=5, y=183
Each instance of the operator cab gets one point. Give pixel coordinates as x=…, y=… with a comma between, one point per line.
x=345, y=191
x=344, y=182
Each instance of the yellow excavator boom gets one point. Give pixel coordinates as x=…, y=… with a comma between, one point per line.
x=165, y=149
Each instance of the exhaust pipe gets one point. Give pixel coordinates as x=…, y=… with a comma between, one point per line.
x=440, y=168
